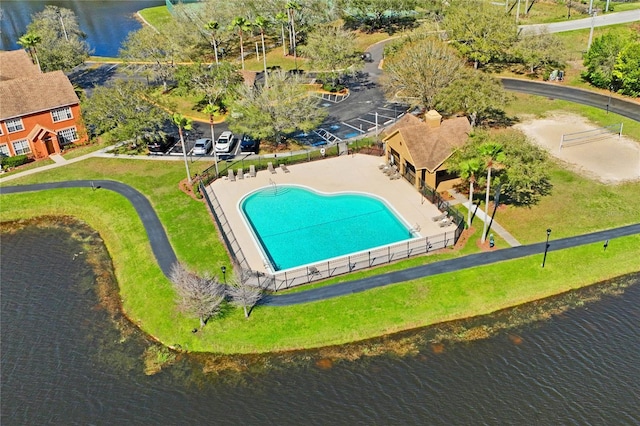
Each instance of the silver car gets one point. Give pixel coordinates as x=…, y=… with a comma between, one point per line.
x=202, y=147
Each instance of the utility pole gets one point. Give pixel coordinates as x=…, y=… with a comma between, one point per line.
x=590, y=7
x=593, y=21
x=518, y=12
x=569, y=12
x=606, y=9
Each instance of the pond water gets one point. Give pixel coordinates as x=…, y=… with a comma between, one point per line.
x=64, y=361
x=106, y=22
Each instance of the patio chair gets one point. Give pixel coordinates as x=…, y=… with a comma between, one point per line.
x=284, y=168
x=240, y=173
x=232, y=178
x=439, y=217
x=270, y=168
x=445, y=222
x=252, y=170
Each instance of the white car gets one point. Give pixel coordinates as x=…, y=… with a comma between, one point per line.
x=225, y=143
x=202, y=147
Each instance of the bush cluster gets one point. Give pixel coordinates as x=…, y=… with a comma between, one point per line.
x=9, y=162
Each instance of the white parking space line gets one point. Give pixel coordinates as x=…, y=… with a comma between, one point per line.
x=353, y=127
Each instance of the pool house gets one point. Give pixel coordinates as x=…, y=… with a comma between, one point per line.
x=419, y=149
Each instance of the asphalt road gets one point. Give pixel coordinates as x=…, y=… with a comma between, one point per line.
x=166, y=257
x=579, y=24
x=623, y=107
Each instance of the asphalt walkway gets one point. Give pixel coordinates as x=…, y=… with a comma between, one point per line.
x=166, y=257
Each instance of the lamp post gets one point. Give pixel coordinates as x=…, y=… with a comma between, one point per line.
x=546, y=247
x=224, y=273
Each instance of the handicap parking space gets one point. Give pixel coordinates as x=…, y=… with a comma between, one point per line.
x=383, y=115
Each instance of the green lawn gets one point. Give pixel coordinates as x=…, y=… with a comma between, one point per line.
x=156, y=16
x=28, y=166
x=148, y=297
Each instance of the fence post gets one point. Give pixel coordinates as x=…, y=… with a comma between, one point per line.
x=408, y=253
x=369, y=258
x=286, y=281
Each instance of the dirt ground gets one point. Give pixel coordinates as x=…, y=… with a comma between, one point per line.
x=608, y=159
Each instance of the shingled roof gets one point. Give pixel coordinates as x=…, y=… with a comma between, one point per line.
x=16, y=64
x=42, y=92
x=430, y=147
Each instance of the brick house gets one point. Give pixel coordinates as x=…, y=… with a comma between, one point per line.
x=39, y=112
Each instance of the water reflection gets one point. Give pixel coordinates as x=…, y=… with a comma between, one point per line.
x=105, y=22
x=68, y=358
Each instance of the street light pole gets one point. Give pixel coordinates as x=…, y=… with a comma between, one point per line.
x=546, y=247
x=224, y=273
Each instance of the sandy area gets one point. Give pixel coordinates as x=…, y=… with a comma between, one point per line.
x=606, y=158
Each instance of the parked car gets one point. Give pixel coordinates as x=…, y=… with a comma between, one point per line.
x=248, y=144
x=225, y=143
x=159, y=143
x=202, y=146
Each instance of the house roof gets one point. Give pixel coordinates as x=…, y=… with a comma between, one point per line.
x=42, y=92
x=249, y=77
x=430, y=147
x=406, y=120
x=16, y=64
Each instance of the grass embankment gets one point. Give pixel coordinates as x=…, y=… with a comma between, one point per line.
x=148, y=297
x=156, y=16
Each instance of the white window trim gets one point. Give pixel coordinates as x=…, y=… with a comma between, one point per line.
x=6, y=146
x=68, y=114
x=75, y=130
x=1, y=132
x=25, y=141
x=6, y=123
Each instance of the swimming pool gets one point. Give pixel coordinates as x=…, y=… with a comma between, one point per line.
x=295, y=226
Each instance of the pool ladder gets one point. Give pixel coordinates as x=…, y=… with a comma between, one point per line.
x=275, y=186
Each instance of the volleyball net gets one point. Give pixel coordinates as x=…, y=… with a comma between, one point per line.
x=589, y=136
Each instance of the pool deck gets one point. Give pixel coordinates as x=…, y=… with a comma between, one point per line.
x=355, y=173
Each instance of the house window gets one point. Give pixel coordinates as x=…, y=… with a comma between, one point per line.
x=67, y=136
x=21, y=147
x=14, y=125
x=1, y=132
x=61, y=114
x=4, y=150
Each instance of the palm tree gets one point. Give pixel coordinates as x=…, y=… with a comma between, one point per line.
x=262, y=23
x=185, y=123
x=292, y=6
x=468, y=170
x=493, y=155
x=29, y=41
x=282, y=18
x=243, y=25
x=213, y=26
x=212, y=110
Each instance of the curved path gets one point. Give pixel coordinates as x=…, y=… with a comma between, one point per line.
x=166, y=256
x=616, y=105
x=160, y=245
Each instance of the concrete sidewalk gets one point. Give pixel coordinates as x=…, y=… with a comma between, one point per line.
x=480, y=214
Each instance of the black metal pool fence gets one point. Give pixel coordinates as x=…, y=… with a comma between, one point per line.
x=344, y=264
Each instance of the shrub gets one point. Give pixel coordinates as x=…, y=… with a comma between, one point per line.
x=9, y=162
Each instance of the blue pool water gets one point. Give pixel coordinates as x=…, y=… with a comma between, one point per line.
x=296, y=226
